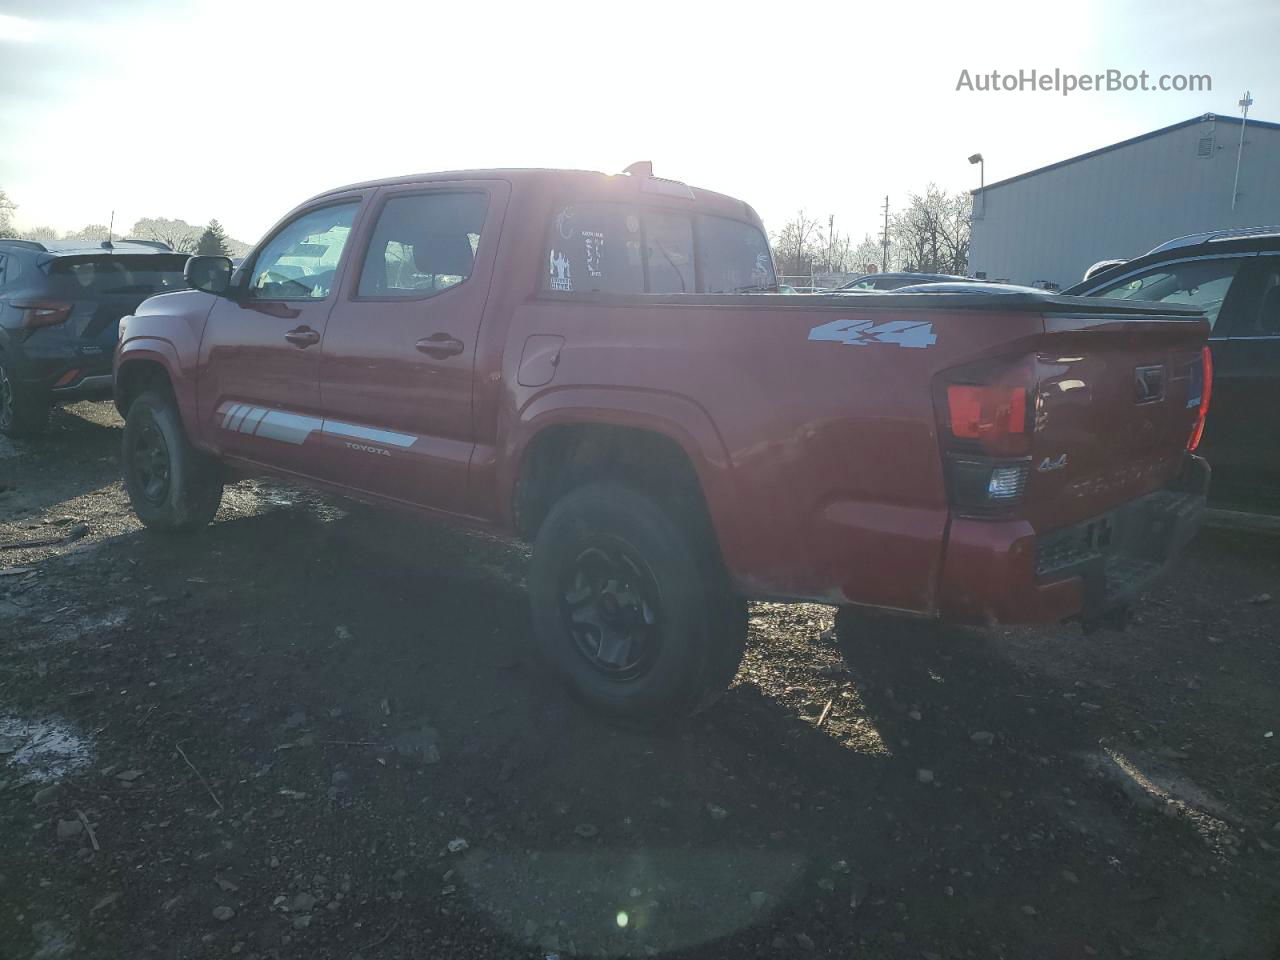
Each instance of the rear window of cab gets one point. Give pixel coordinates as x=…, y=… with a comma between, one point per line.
x=625, y=248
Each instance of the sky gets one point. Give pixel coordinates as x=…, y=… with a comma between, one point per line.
x=241, y=109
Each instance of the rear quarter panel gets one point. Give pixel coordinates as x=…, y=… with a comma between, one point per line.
x=819, y=459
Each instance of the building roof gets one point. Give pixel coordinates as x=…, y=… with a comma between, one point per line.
x=1203, y=118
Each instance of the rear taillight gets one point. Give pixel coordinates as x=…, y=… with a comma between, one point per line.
x=995, y=415
x=43, y=313
x=986, y=417
x=1206, y=390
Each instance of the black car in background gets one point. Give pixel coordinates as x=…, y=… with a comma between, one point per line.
x=1234, y=275
x=60, y=307
x=879, y=282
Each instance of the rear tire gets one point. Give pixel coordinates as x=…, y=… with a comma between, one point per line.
x=631, y=608
x=171, y=485
x=23, y=412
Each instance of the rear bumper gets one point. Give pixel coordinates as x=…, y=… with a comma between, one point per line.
x=96, y=386
x=60, y=371
x=1006, y=572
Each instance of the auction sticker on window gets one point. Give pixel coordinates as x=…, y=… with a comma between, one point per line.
x=903, y=333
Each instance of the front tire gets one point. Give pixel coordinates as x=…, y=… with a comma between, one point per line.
x=23, y=413
x=171, y=485
x=631, y=608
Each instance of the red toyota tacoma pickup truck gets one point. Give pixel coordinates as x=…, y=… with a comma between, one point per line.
x=584, y=361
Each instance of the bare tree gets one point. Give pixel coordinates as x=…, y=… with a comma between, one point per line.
x=798, y=245
x=838, y=254
x=93, y=233
x=865, y=255
x=39, y=233
x=932, y=234
x=7, y=207
x=956, y=226
x=178, y=234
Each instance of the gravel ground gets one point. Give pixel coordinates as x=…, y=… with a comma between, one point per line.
x=313, y=731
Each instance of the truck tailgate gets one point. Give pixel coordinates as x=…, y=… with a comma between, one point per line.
x=1117, y=399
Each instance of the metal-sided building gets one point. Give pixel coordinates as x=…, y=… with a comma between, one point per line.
x=1052, y=224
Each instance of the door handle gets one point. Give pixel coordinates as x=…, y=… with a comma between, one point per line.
x=440, y=346
x=302, y=336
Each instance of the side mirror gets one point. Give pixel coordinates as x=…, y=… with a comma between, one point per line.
x=210, y=274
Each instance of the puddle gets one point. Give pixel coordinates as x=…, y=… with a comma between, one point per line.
x=42, y=751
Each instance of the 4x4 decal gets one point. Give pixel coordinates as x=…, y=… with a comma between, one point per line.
x=903, y=333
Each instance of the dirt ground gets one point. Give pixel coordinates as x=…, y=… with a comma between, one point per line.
x=314, y=731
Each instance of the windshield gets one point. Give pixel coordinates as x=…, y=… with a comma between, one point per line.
x=1199, y=283
x=880, y=283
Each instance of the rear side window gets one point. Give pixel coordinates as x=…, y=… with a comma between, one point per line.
x=3, y=260
x=1253, y=310
x=616, y=248
x=112, y=274
x=423, y=244
x=735, y=256
x=668, y=241
x=301, y=261
x=595, y=248
x=1265, y=320
x=1201, y=283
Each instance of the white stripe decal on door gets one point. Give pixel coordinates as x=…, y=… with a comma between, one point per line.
x=295, y=428
x=336, y=428
x=288, y=427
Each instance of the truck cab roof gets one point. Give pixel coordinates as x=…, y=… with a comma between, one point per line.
x=582, y=184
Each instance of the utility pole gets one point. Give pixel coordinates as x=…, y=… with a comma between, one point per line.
x=111, y=226
x=831, y=238
x=884, y=239
x=1245, y=103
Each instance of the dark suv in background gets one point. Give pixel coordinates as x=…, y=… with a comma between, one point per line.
x=1234, y=276
x=60, y=307
x=880, y=282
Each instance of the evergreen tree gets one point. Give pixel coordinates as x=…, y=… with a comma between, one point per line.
x=213, y=242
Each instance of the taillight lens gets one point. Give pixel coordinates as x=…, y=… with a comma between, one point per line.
x=1206, y=390
x=43, y=313
x=994, y=415
x=986, y=418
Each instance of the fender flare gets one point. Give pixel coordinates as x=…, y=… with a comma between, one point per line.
x=164, y=353
x=675, y=416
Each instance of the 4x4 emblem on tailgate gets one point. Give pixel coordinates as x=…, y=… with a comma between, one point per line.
x=1052, y=463
x=1148, y=383
x=902, y=333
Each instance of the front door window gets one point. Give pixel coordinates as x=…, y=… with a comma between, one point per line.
x=301, y=261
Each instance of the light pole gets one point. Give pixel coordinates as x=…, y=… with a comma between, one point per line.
x=982, y=182
x=1245, y=103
